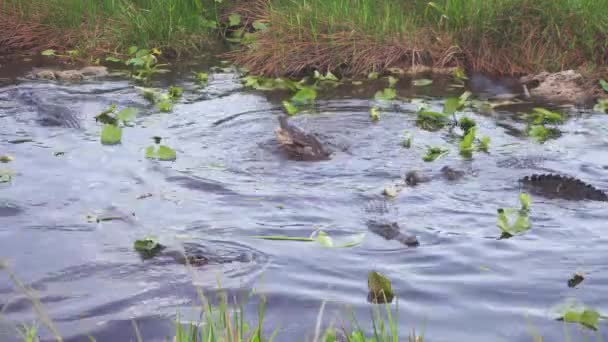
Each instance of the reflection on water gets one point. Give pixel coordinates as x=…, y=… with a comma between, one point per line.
x=231, y=182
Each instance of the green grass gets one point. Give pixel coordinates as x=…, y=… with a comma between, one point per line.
x=122, y=23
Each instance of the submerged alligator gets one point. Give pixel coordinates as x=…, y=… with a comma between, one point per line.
x=558, y=186
x=384, y=225
x=48, y=113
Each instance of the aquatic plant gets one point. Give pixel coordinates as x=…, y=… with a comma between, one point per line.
x=407, y=140
x=540, y=133
x=423, y=82
x=6, y=158
x=466, y=144
x=160, y=152
x=518, y=217
x=148, y=247
x=6, y=175
x=380, y=288
x=202, y=78
x=466, y=124
x=111, y=132
x=572, y=312
x=318, y=236
x=175, y=92
x=386, y=94
x=374, y=114
x=433, y=153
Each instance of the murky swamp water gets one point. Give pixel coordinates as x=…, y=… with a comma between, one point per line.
x=231, y=181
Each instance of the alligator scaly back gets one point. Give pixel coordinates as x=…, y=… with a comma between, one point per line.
x=558, y=186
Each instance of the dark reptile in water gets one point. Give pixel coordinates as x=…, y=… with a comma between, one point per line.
x=385, y=226
x=298, y=144
x=558, y=186
x=48, y=113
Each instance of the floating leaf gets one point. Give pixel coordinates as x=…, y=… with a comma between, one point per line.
x=392, y=81
x=304, y=95
x=132, y=50
x=175, y=92
x=484, y=144
x=459, y=74
x=113, y=59
x=431, y=121
x=466, y=124
x=324, y=239
x=6, y=158
x=604, y=85
x=284, y=238
x=202, y=77
x=407, y=141
x=49, y=52
x=466, y=144
x=321, y=237
x=374, y=114
x=601, y=106
x=380, y=288
x=542, y=116
x=234, y=19
x=541, y=133
x=452, y=105
x=328, y=77
x=126, y=115
x=6, y=176
x=373, y=75
x=290, y=108
x=165, y=106
x=433, y=153
x=525, y=201
x=148, y=247
x=386, y=94
x=390, y=191
x=111, y=134
x=521, y=222
x=161, y=152
x=423, y=82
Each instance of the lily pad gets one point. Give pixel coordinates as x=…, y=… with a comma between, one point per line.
x=386, y=94
x=433, y=153
x=165, y=106
x=380, y=288
x=148, y=247
x=290, y=108
x=374, y=114
x=175, y=92
x=6, y=176
x=6, y=159
x=111, y=134
x=390, y=191
x=423, y=82
x=49, y=52
x=604, y=85
x=304, y=95
x=161, y=152
x=234, y=19
x=126, y=115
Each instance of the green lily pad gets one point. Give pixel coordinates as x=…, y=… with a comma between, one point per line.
x=290, y=108
x=604, y=85
x=452, y=105
x=392, y=81
x=304, y=95
x=6, y=159
x=175, y=92
x=374, y=114
x=386, y=94
x=380, y=288
x=148, y=247
x=373, y=75
x=484, y=144
x=234, y=19
x=111, y=134
x=423, y=82
x=165, y=106
x=161, y=152
x=126, y=115
x=202, y=77
x=433, y=153
x=6, y=175
x=49, y=52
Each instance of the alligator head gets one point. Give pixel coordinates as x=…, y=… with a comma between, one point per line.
x=298, y=144
x=558, y=186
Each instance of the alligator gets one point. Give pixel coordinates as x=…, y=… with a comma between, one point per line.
x=564, y=187
x=298, y=144
x=413, y=178
x=385, y=227
x=48, y=113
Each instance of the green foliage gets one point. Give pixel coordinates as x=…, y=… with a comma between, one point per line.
x=431, y=121
x=466, y=144
x=541, y=116
x=380, y=288
x=305, y=95
x=6, y=158
x=386, y=94
x=433, y=153
x=518, y=217
x=573, y=312
x=407, y=141
x=604, y=85
x=318, y=236
x=373, y=75
x=466, y=124
x=484, y=144
x=392, y=81
x=148, y=247
x=459, y=74
x=601, y=106
x=202, y=78
x=165, y=106
x=264, y=83
x=111, y=134
x=6, y=176
x=374, y=114
x=234, y=19
x=160, y=152
x=541, y=133
x=423, y=82
x=328, y=77
x=175, y=92
x=290, y=108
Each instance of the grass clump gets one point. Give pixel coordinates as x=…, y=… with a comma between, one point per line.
x=105, y=25
x=359, y=36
